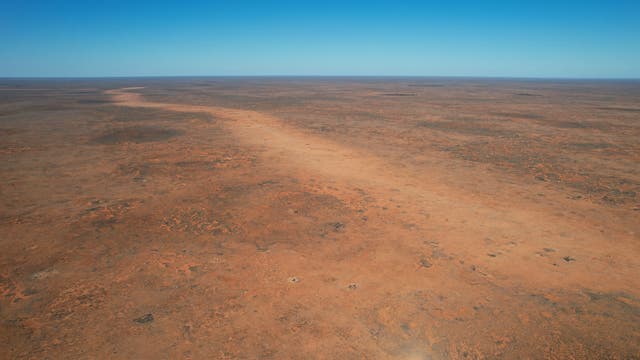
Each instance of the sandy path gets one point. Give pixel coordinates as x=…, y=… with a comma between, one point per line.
x=533, y=227
x=504, y=237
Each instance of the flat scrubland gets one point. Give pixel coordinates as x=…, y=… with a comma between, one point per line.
x=410, y=218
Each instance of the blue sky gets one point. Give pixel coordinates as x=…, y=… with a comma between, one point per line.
x=575, y=39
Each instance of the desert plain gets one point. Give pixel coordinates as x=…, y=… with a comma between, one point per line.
x=329, y=218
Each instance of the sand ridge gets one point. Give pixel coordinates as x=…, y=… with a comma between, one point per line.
x=300, y=152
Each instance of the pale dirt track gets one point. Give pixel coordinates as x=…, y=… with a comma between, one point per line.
x=500, y=251
x=308, y=155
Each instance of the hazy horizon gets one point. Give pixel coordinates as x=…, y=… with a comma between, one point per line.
x=336, y=77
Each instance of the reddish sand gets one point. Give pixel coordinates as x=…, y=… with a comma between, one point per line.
x=195, y=230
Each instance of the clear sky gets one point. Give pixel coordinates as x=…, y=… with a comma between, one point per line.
x=526, y=38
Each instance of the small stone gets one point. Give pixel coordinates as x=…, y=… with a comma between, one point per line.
x=293, y=279
x=425, y=263
x=568, y=259
x=144, y=319
x=352, y=286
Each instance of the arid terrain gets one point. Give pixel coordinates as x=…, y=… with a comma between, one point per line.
x=329, y=218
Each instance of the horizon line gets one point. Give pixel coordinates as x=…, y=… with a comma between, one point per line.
x=319, y=76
